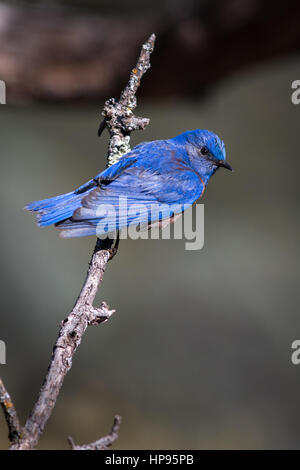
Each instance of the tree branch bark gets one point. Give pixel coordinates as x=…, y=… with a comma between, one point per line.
x=104, y=442
x=10, y=414
x=69, y=338
x=120, y=121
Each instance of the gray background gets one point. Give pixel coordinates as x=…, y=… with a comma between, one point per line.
x=198, y=352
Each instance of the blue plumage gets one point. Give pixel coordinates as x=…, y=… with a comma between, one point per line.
x=156, y=180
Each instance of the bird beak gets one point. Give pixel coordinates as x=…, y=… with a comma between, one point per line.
x=224, y=164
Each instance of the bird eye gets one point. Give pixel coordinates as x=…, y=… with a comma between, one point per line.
x=204, y=151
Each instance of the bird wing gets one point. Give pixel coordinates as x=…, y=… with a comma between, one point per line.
x=135, y=190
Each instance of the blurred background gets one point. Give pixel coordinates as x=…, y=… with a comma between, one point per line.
x=198, y=354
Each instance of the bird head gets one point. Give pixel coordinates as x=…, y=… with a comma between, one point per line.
x=206, y=152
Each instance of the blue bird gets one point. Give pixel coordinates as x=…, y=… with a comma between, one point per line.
x=158, y=180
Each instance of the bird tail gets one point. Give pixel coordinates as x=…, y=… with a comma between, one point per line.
x=53, y=210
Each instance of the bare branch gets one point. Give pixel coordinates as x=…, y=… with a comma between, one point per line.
x=118, y=115
x=104, y=442
x=69, y=338
x=10, y=415
x=120, y=121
